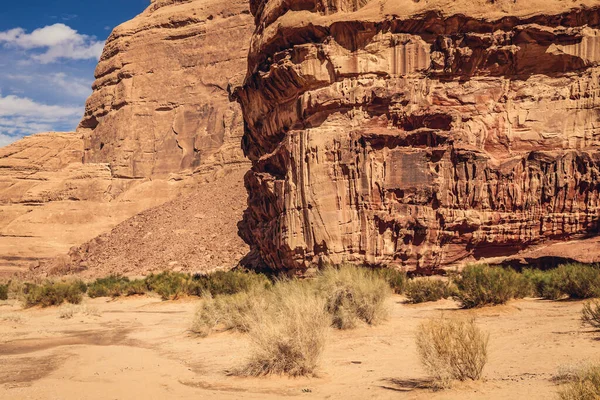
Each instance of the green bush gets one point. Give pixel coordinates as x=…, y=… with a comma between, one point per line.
x=115, y=286
x=424, y=290
x=3, y=291
x=54, y=293
x=353, y=294
x=395, y=278
x=169, y=285
x=543, y=284
x=226, y=282
x=480, y=285
x=578, y=281
x=172, y=285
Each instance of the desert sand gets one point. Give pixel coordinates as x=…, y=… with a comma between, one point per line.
x=141, y=348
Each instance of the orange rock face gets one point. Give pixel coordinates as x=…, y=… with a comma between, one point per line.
x=420, y=133
x=160, y=104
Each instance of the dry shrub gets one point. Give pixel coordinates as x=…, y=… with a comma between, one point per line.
x=582, y=385
x=424, y=290
x=16, y=289
x=590, y=314
x=452, y=350
x=68, y=311
x=353, y=294
x=232, y=312
x=289, y=336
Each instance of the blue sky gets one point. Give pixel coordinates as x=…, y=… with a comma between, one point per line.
x=48, y=53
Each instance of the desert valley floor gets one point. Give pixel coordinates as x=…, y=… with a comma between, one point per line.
x=142, y=348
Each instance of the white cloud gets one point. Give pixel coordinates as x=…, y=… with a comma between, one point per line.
x=72, y=86
x=19, y=126
x=21, y=106
x=56, y=41
x=20, y=116
x=5, y=140
x=57, y=81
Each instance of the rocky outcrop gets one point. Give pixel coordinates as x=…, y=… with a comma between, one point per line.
x=420, y=133
x=195, y=232
x=158, y=126
x=51, y=201
x=160, y=104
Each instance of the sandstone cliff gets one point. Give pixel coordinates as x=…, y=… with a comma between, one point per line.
x=160, y=104
x=420, y=133
x=50, y=200
x=158, y=126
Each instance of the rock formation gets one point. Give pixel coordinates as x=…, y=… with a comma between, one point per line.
x=158, y=125
x=420, y=133
x=50, y=200
x=160, y=104
x=195, y=232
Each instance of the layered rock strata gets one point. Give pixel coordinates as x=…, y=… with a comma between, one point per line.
x=420, y=133
x=160, y=104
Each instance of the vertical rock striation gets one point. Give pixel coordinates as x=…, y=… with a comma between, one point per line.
x=420, y=133
x=160, y=104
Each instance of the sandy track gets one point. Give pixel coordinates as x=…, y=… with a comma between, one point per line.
x=140, y=348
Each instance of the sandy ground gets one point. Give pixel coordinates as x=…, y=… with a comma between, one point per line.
x=141, y=348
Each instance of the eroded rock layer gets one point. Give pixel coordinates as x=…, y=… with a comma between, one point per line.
x=160, y=104
x=420, y=133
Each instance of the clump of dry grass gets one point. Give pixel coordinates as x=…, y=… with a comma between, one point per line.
x=353, y=294
x=68, y=311
x=590, y=314
x=287, y=322
x=583, y=384
x=230, y=312
x=289, y=336
x=452, y=350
